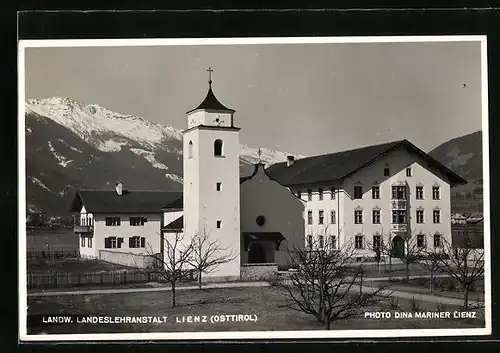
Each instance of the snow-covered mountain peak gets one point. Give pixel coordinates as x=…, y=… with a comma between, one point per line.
x=110, y=131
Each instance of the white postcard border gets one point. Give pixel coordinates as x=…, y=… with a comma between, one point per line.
x=256, y=335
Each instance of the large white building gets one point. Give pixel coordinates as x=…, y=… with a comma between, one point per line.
x=364, y=196
x=374, y=194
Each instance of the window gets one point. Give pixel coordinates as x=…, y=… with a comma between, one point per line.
x=321, y=217
x=219, y=223
x=419, y=193
x=437, y=240
x=420, y=240
x=435, y=193
x=320, y=194
x=309, y=194
x=399, y=192
x=376, y=217
x=386, y=171
x=358, y=216
x=83, y=241
x=408, y=172
x=358, y=192
x=310, y=241
x=399, y=216
x=113, y=242
x=333, y=242
x=376, y=241
x=190, y=150
x=333, y=217
x=309, y=217
x=358, y=242
x=218, y=185
x=321, y=241
x=89, y=242
x=218, y=148
x=375, y=192
x=420, y=216
x=137, y=242
x=137, y=221
x=112, y=221
x=436, y=216
x=332, y=193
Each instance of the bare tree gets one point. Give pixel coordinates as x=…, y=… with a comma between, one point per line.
x=413, y=251
x=430, y=262
x=207, y=255
x=324, y=283
x=464, y=265
x=386, y=251
x=173, y=265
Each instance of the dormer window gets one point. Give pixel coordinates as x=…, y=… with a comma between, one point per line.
x=218, y=148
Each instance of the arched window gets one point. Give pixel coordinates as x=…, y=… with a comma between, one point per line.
x=190, y=150
x=218, y=147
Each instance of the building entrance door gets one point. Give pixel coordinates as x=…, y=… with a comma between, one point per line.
x=257, y=254
x=398, y=247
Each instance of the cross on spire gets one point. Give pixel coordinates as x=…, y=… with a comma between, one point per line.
x=210, y=75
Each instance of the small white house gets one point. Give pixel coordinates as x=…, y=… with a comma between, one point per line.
x=121, y=226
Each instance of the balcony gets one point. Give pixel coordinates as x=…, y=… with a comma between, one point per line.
x=399, y=204
x=399, y=227
x=83, y=229
x=83, y=224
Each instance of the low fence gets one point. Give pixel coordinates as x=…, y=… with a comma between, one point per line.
x=52, y=254
x=68, y=279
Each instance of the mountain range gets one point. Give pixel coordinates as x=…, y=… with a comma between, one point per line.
x=72, y=145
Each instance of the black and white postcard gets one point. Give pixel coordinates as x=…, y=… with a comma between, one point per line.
x=253, y=188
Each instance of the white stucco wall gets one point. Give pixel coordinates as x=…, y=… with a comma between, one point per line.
x=282, y=210
x=150, y=230
x=373, y=174
x=202, y=117
x=86, y=251
x=327, y=205
x=170, y=216
x=203, y=204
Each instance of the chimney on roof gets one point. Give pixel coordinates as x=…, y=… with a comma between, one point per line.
x=119, y=188
x=290, y=160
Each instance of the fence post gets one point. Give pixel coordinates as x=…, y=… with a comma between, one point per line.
x=101, y=278
x=125, y=277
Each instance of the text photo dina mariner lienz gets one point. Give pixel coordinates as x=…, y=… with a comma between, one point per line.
x=254, y=188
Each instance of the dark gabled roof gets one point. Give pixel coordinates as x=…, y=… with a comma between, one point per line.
x=104, y=201
x=178, y=224
x=335, y=167
x=211, y=103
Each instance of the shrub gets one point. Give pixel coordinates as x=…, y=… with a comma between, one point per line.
x=451, y=285
x=415, y=306
x=441, y=307
x=393, y=303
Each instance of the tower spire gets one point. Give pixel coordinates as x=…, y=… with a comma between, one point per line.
x=210, y=76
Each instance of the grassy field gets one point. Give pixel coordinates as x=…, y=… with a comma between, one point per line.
x=268, y=303
x=55, y=239
x=73, y=265
x=445, y=287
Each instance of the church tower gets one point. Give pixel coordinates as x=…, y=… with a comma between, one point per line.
x=212, y=179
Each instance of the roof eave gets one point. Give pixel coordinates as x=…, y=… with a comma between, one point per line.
x=226, y=110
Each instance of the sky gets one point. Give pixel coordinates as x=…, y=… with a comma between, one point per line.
x=305, y=99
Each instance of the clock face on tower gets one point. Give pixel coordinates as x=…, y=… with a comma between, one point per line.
x=218, y=119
